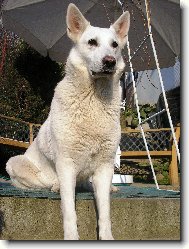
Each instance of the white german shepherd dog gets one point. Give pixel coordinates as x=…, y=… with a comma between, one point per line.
x=80, y=137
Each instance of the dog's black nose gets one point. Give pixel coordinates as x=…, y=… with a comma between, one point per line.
x=109, y=62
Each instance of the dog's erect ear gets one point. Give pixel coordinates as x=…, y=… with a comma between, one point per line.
x=76, y=22
x=121, y=27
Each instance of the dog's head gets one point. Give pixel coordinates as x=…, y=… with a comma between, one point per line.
x=99, y=48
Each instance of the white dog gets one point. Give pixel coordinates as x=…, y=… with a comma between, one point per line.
x=80, y=137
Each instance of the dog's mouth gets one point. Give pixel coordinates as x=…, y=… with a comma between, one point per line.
x=103, y=73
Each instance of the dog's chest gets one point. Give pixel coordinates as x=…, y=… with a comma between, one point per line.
x=96, y=127
x=88, y=122
x=95, y=117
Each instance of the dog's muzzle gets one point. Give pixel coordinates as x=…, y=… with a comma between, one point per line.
x=108, y=66
x=109, y=63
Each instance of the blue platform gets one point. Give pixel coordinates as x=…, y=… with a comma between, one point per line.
x=6, y=189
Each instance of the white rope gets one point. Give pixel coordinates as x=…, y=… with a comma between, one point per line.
x=138, y=113
x=136, y=97
x=153, y=116
x=138, y=109
x=161, y=81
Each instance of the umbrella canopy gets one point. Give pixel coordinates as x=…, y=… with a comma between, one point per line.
x=41, y=23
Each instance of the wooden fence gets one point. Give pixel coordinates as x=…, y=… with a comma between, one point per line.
x=7, y=132
x=168, y=151
x=18, y=133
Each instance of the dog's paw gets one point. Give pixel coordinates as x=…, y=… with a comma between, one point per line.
x=55, y=188
x=114, y=189
x=71, y=236
x=106, y=237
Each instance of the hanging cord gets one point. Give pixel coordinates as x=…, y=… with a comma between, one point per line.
x=138, y=109
x=3, y=55
x=160, y=78
x=138, y=113
x=137, y=106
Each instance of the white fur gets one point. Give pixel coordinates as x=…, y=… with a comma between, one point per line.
x=80, y=137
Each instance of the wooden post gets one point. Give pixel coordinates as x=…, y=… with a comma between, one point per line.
x=173, y=168
x=31, y=133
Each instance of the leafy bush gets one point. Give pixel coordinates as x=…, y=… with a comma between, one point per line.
x=145, y=111
x=27, y=81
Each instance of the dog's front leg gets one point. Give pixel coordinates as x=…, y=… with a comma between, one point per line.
x=66, y=171
x=102, y=180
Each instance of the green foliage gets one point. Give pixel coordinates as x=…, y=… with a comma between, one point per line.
x=27, y=82
x=145, y=111
x=41, y=72
x=161, y=167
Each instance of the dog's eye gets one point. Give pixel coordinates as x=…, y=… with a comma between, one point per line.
x=93, y=42
x=114, y=44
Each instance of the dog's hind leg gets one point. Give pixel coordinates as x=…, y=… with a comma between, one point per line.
x=24, y=174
